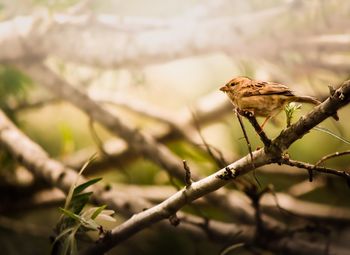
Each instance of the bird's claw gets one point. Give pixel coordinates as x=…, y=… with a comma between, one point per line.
x=246, y=113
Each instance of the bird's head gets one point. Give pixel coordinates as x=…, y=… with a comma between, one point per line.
x=230, y=86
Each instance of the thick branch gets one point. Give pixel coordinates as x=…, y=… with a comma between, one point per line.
x=268, y=202
x=41, y=165
x=36, y=160
x=177, y=201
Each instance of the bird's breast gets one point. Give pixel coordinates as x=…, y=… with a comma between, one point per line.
x=261, y=105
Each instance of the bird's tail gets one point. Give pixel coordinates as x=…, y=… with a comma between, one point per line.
x=311, y=100
x=306, y=99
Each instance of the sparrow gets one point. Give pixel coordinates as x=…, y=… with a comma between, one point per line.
x=261, y=98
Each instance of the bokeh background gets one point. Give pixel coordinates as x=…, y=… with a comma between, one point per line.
x=158, y=62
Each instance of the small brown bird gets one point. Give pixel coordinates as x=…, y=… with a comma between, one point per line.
x=260, y=98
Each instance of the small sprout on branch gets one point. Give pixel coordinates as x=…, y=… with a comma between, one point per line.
x=290, y=109
x=188, y=180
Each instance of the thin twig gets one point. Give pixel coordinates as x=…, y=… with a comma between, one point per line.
x=316, y=168
x=188, y=182
x=221, y=162
x=332, y=155
x=221, y=159
x=248, y=144
x=245, y=135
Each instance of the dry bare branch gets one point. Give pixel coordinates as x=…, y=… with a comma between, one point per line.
x=332, y=155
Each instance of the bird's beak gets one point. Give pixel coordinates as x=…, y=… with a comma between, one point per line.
x=224, y=88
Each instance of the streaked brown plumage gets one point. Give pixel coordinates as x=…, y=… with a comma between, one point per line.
x=261, y=98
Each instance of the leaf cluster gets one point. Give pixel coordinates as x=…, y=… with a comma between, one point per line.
x=75, y=220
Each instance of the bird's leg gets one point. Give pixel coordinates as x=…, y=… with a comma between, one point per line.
x=272, y=115
x=265, y=121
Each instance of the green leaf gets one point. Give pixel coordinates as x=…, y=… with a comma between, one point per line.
x=79, y=201
x=83, y=186
x=98, y=211
x=92, y=158
x=81, y=196
x=70, y=214
x=72, y=188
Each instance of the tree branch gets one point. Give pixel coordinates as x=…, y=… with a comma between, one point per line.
x=332, y=155
x=329, y=107
x=315, y=168
x=200, y=188
x=57, y=174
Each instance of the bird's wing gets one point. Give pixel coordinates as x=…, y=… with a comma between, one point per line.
x=256, y=88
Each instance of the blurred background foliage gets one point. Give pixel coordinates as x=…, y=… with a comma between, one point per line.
x=174, y=85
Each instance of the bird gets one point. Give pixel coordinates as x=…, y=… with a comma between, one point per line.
x=262, y=98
